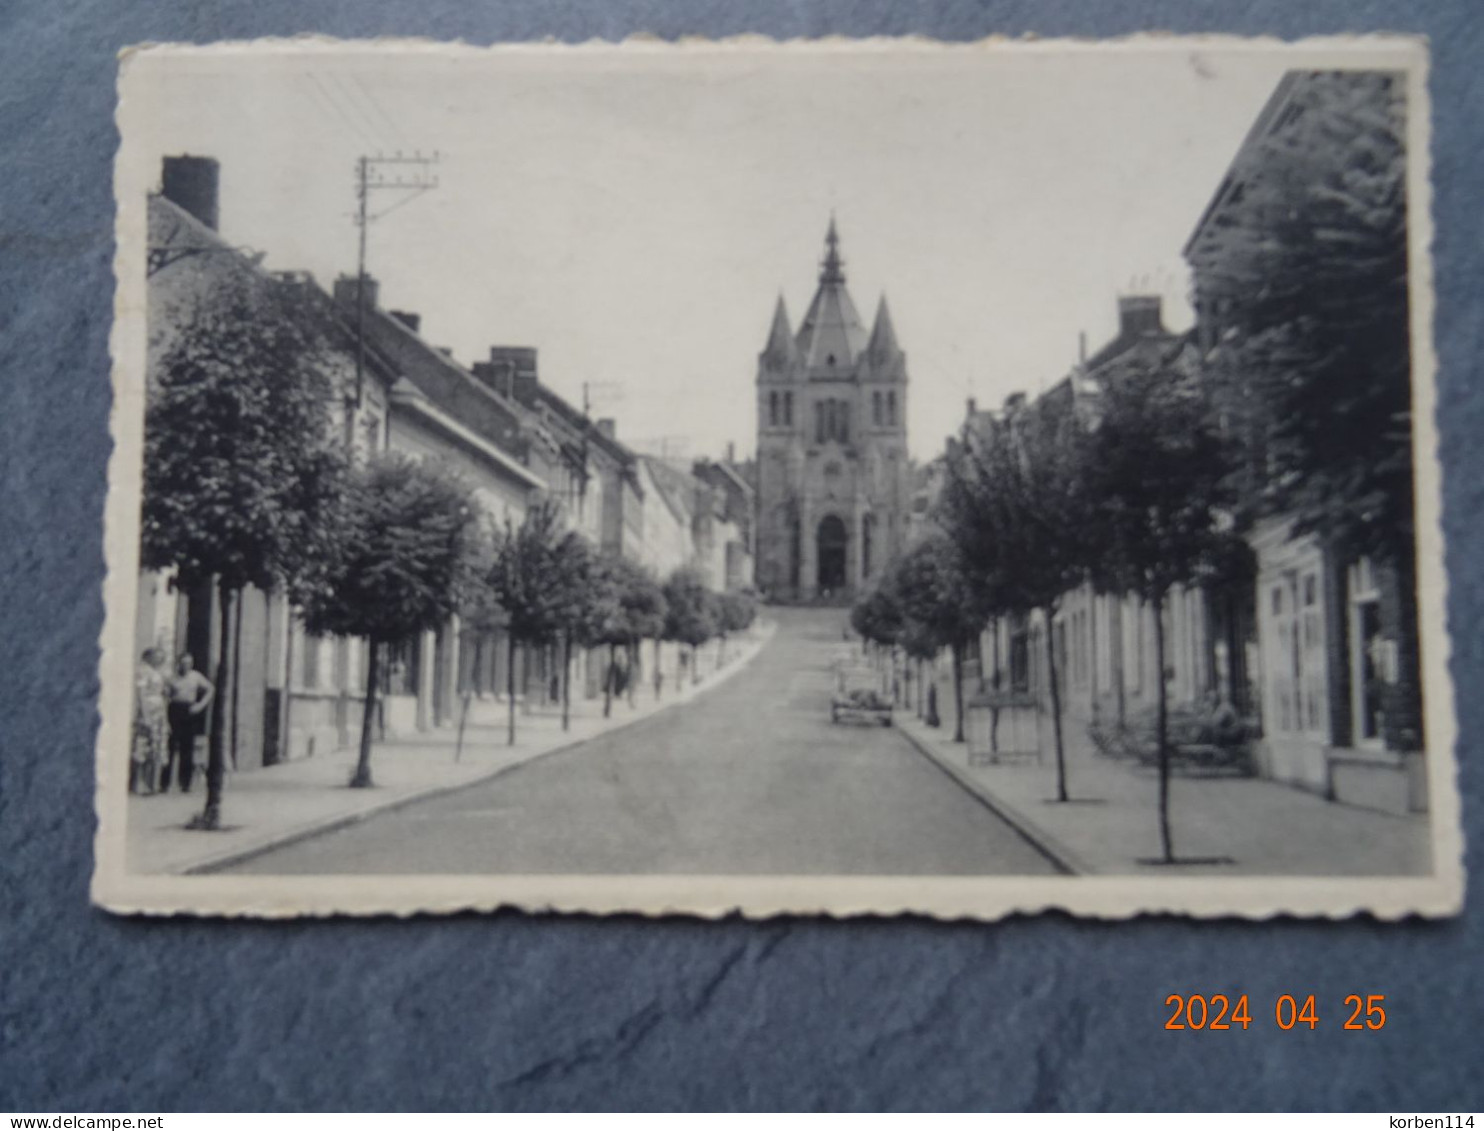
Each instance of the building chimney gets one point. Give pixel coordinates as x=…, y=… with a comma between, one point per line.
x=191, y=183
x=971, y=408
x=345, y=292
x=1081, y=347
x=412, y=321
x=608, y=427
x=1139, y=315
x=731, y=451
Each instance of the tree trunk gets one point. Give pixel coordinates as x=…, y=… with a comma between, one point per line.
x=362, y=777
x=958, y=691
x=695, y=665
x=633, y=686
x=608, y=677
x=566, y=680
x=994, y=714
x=236, y=678
x=1061, y=755
x=216, y=767
x=1161, y=725
x=659, y=676
x=510, y=684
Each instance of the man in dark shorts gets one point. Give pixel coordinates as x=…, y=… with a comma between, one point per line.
x=190, y=694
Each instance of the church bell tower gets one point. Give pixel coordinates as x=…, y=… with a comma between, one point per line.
x=832, y=475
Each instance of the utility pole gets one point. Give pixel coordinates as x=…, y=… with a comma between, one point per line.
x=375, y=174
x=601, y=388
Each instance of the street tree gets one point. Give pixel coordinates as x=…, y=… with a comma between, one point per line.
x=689, y=616
x=1163, y=473
x=627, y=608
x=733, y=612
x=876, y=617
x=940, y=606
x=241, y=473
x=1305, y=283
x=531, y=579
x=404, y=563
x=574, y=594
x=1018, y=506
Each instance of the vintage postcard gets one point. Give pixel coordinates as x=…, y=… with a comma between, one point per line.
x=776, y=478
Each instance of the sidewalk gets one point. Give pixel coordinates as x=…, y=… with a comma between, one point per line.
x=1111, y=825
x=265, y=808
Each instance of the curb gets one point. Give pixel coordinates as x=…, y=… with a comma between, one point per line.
x=227, y=859
x=1062, y=858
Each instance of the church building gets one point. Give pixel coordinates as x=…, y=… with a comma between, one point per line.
x=833, y=483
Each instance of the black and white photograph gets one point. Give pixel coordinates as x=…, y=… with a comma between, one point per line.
x=830, y=477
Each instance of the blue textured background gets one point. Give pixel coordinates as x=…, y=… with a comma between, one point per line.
x=104, y=1013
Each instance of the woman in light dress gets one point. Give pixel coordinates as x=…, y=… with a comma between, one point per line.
x=151, y=696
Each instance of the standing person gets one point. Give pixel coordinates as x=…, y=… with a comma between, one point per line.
x=151, y=694
x=190, y=694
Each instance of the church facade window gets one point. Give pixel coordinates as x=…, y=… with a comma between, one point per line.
x=773, y=409
x=891, y=408
x=788, y=409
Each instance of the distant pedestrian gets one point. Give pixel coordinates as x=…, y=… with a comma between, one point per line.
x=190, y=694
x=151, y=695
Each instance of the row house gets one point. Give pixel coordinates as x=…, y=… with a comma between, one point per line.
x=294, y=694
x=593, y=475
x=1104, y=643
x=1336, y=634
x=1315, y=645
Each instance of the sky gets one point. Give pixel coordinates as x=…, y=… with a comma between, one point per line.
x=635, y=214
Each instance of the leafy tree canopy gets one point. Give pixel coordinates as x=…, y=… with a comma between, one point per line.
x=1161, y=470
x=541, y=576
x=404, y=559
x=934, y=594
x=689, y=615
x=1018, y=507
x=241, y=474
x=1304, y=272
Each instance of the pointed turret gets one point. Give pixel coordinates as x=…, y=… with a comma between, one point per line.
x=780, y=347
x=883, y=335
x=832, y=336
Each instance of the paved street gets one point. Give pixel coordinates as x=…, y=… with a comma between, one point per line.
x=750, y=778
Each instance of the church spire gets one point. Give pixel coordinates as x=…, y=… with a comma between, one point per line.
x=780, y=336
x=832, y=270
x=883, y=334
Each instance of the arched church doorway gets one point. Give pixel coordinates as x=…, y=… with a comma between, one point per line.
x=831, y=540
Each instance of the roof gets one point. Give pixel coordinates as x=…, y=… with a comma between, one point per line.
x=409, y=396
x=780, y=347
x=832, y=335
x=444, y=382
x=1267, y=119
x=883, y=335
x=677, y=488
